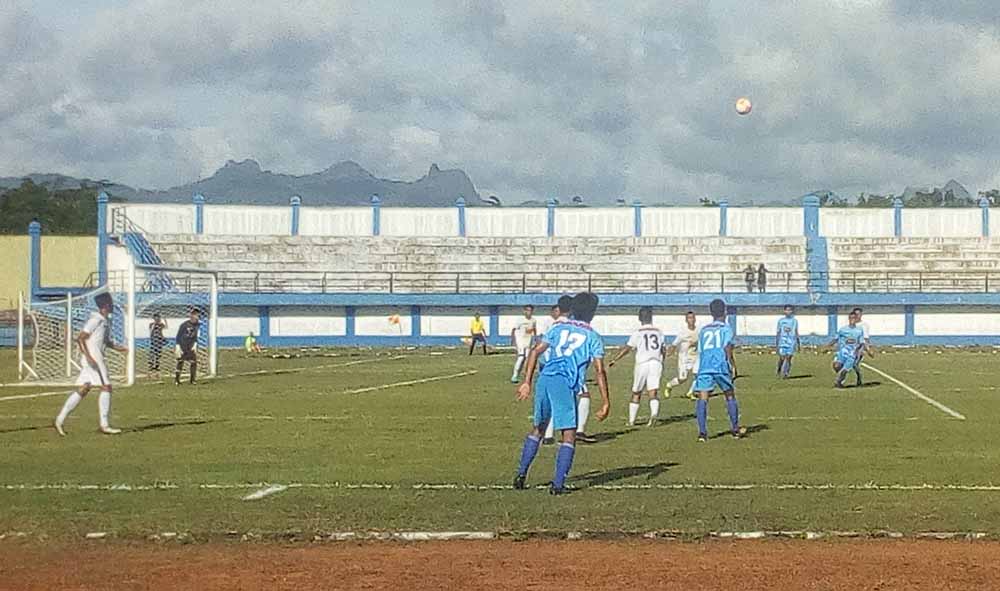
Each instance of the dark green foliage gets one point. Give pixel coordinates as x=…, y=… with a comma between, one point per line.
x=62, y=212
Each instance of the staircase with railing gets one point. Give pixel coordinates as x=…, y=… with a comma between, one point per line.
x=133, y=238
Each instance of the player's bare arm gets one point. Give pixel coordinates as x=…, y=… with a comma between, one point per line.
x=732, y=360
x=621, y=354
x=602, y=385
x=524, y=389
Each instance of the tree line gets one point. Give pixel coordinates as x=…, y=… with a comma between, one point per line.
x=64, y=212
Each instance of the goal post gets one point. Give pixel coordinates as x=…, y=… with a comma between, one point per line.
x=151, y=302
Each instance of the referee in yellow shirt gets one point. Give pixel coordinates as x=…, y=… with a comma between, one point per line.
x=478, y=331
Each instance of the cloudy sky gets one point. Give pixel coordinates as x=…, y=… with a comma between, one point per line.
x=532, y=99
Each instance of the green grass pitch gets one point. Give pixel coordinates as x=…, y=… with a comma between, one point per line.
x=360, y=461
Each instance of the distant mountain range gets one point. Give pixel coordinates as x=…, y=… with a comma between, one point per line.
x=345, y=184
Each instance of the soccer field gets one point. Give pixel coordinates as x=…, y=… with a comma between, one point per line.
x=415, y=440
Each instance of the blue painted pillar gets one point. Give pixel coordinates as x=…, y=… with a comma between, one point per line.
x=264, y=328
x=731, y=313
x=494, y=323
x=102, y=238
x=349, y=315
x=723, y=218
x=199, y=214
x=551, y=225
x=34, y=258
x=897, y=217
x=637, y=224
x=909, y=322
x=296, y=203
x=984, y=205
x=810, y=216
x=376, y=216
x=831, y=321
x=415, y=330
x=460, y=204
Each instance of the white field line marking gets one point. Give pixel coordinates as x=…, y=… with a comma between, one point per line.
x=311, y=367
x=913, y=391
x=336, y=418
x=412, y=382
x=459, y=486
x=38, y=395
x=265, y=492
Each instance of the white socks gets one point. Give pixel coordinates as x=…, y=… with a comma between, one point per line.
x=673, y=384
x=104, y=406
x=517, y=367
x=633, y=412
x=550, y=431
x=582, y=413
x=71, y=402
x=654, y=408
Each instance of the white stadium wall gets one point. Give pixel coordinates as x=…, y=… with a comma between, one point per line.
x=375, y=322
x=881, y=321
x=765, y=222
x=296, y=321
x=842, y=222
x=496, y=222
x=764, y=322
x=942, y=222
x=157, y=218
x=942, y=321
x=680, y=221
x=419, y=221
x=596, y=222
x=241, y=220
x=335, y=221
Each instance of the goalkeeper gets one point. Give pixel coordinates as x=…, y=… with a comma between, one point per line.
x=186, y=347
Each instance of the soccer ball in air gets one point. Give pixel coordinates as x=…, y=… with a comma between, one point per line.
x=743, y=106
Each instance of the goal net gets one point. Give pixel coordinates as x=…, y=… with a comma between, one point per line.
x=151, y=303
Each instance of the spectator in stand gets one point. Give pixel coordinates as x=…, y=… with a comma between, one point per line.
x=750, y=276
x=478, y=333
x=762, y=278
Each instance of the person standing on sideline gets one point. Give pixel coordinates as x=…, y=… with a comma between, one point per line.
x=156, y=341
x=749, y=275
x=186, y=346
x=762, y=278
x=478, y=332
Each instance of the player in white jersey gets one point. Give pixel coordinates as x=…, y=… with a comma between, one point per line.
x=93, y=370
x=647, y=342
x=522, y=337
x=686, y=345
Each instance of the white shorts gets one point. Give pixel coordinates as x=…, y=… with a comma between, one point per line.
x=95, y=376
x=646, y=376
x=686, y=365
x=522, y=346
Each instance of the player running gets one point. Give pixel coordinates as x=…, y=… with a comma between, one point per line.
x=647, y=342
x=686, y=345
x=717, y=368
x=858, y=312
x=573, y=345
x=92, y=341
x=787, y=341
x=850, y=342
x=186, y=346
x=522, y=337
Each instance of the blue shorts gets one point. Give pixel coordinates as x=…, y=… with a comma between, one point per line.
x=556, y=400
x=786, y=351
x=707, y=382
x=846, y=361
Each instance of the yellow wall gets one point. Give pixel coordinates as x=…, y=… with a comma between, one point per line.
x=67, y=261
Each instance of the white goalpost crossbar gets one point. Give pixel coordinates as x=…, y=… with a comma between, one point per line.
x=151, y=302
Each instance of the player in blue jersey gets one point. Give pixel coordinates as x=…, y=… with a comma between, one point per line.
x=787, y=341
x=716, y=369
x=571, y=346
x=850, y=343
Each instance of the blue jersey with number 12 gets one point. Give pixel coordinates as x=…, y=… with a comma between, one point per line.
x=571, y=347
x=713, y=340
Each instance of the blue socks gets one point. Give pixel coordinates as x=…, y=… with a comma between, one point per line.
x=564, y=461
x=701, y=411
x=733, y=408
x=786, y=368
x=528, y=453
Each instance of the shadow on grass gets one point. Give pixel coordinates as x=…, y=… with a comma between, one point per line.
x=28, y=428
x=751, y=430
x=674, y=419
x=599, y=478
x=169, y=425
x=800, y=377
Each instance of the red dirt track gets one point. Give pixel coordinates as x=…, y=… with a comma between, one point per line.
x=591, y=565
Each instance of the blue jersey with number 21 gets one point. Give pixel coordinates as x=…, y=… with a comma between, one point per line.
x=712, y=343
x=571, y=347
